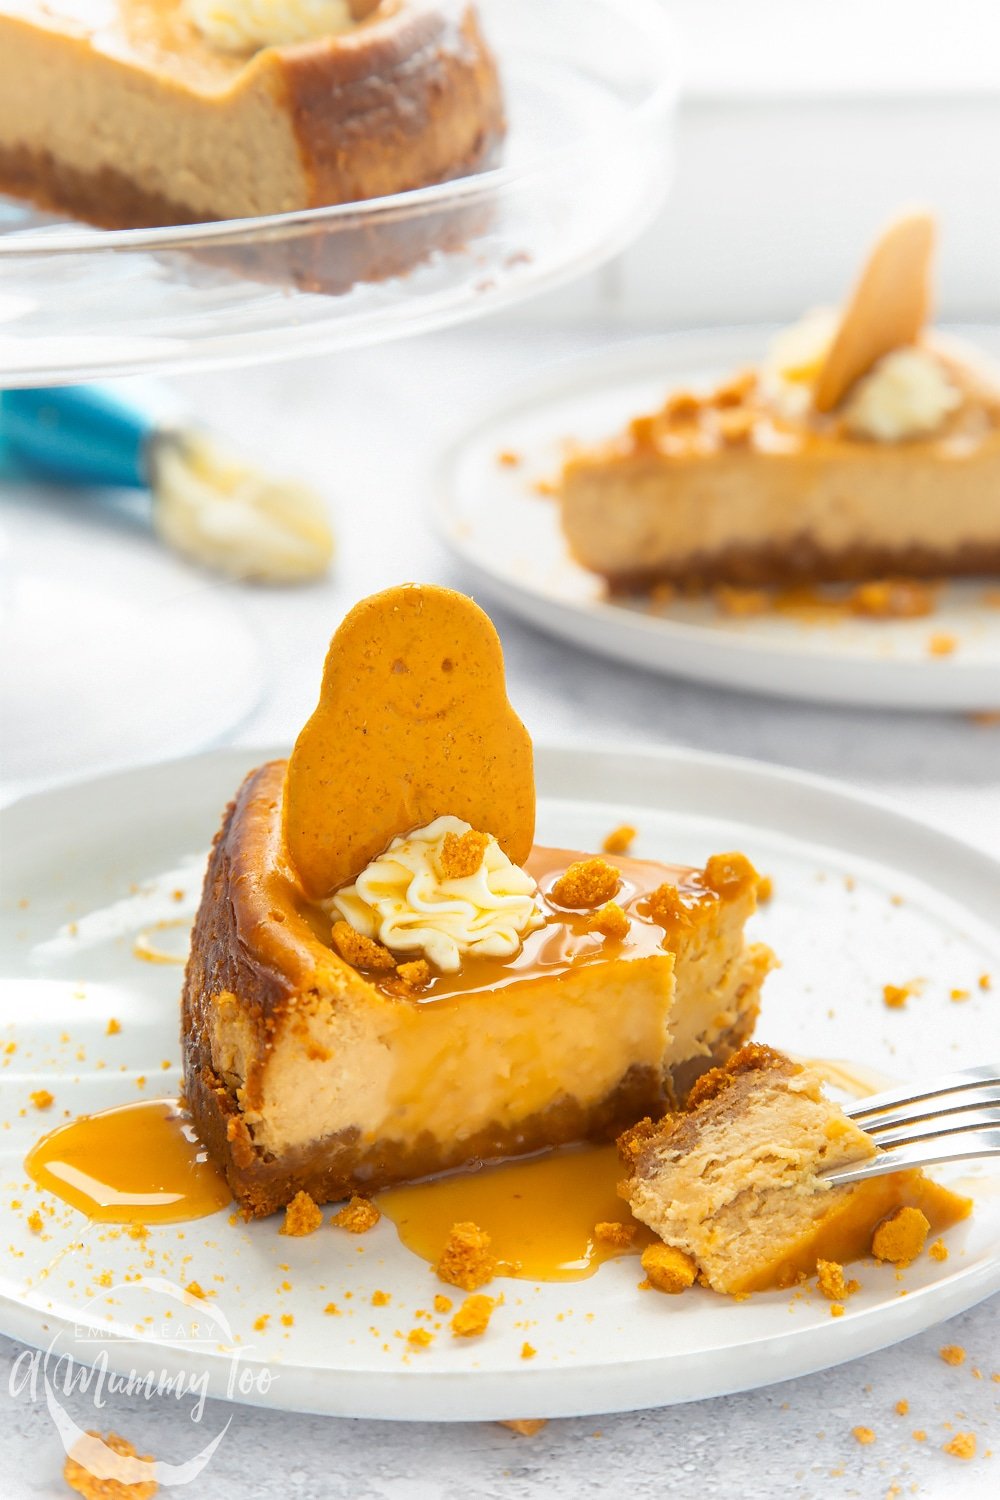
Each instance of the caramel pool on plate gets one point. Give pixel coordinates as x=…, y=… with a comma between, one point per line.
x=135, y=1163
x=540, y=1212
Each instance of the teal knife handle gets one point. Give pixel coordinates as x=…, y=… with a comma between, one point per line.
x=79, y=435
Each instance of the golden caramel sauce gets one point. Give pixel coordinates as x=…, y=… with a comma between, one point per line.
x=566, y=941
x=539, y=1212
x=845, y=1234
x=134, y=1164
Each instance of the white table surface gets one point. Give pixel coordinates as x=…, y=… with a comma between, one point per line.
x=365, y=428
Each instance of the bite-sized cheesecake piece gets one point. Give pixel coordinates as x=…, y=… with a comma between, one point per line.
x=733, y=1181
x=860, y=448
x=444, y=993
x=141, y=112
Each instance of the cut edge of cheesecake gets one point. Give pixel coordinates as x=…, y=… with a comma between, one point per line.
x=734, y=1181
x=301, y=1074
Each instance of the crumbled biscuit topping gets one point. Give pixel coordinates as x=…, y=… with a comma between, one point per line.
x=901, y=1237
x=611, y=921
x=462, y=855
x=301, y=1216
x=358, y=1216
x=962, y=1445
x=952, y=1354
x=668, y=1269
x=832, y=1282
x=619, y=840
x=466, y=1261
x=526, y=1426
x=42, y=1099
x=863, y=1435
x=587, y=882
x=615, y=1233
x=109, y=1468
x=359, y=951
x=473, y=1317
x=416, y=975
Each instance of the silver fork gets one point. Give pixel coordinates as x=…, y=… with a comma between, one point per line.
x=955, y=1118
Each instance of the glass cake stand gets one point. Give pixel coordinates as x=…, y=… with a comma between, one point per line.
x=590, y=87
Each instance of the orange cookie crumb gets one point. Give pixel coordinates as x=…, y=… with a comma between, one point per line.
x=863, y=1435
x=941, y=644
x=962, y=1445
x=528, y=1351
x=952, y=1354
x=526, y=1426
x=895, y=996
x=195, y=1289
x=836, y=1309
x=938, y=1251
x=259, y=1324
x=42, y=1099
x=358, y=951
x=765, y=890
x=473, y=1317
x=420, y=1338
x=902, y=1408
x=358, y=1216
x=462, y=856
x=831, y=1281
x=113, y=1027
x=109, y=1468
x=620, y=840
x=34, y=1221
x=442, y=1304
x=611, y=921
x=508, y=459
x=919, y=1435
x=301, y=1216
x=416, y=974
x=587, y=882
x=958, y=995
x=985, y=982
x=668, y=1269
x=615, y=1233
x=901, y=1237
x=381, y=1299
x=287, y=1320
x=466, y=1261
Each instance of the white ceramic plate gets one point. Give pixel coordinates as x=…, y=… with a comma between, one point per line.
x=107, y=857
x=496, y=522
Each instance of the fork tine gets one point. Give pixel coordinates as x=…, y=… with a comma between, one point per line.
x=934, y=1109
x=949, y=1083
x=966, y=1146
x=903, y=1135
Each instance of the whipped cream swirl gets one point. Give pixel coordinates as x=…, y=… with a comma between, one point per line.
x=406, y=901
x=244, y=25
x=908, y=394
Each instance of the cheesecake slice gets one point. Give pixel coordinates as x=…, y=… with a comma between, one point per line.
x=305, y=1072
x=130, y=113
x=388, y=978
x=734, y=1180
x=856, y=450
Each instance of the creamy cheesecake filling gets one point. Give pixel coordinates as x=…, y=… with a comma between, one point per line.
x=243, y=25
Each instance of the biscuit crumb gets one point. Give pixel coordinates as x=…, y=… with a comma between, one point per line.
x=587, y=882
x=287, y=1320
x=466, y=1261
x=508, y=459
x=765, y=889
x=259, y=1324
x=473, y=1317
x=34, y=1221
x=381, y=1299
x=420, y=1338
x=194, y=1289
x=901, y=1237
x=668, y=1269
x=301, y=1216
x=360, y=952
x=985, y=982
x=919, y=1435
x=611, y=921
x=895, y=996
x=836, y=1309
x=892, y=599
x=902, y=1408
x=863, y=1435
x=962, y=1445
x=528, y=1351
x=332, y=1310
x=42, y=1099
x=109, y=1468
x=358, y=1216
x=615, y=1233
x=526, y=1427
x=416, y=974
x=941, y=644
x=831, y=1282
x=952, y=1354
x=442, y=1304
x=462, y=856
x=113, y=1027
x=958, y=995
x=620, y=840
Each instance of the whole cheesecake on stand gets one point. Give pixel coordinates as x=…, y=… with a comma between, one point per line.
x=136, y=113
